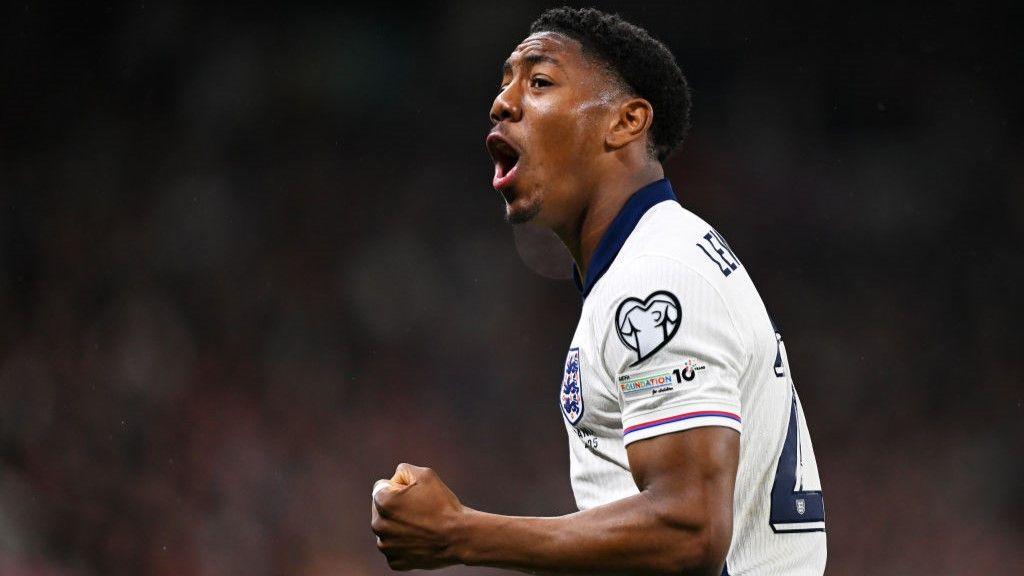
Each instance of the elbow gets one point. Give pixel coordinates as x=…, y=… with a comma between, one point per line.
x=706, y=558
x=703, y=556
x=697, y=548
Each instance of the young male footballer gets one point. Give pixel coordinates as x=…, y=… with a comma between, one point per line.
x=689, y=449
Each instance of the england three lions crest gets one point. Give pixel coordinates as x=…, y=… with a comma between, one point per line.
x=645, y=326
x=571, y=398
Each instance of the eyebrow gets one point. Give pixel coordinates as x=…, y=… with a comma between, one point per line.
x=530, y=60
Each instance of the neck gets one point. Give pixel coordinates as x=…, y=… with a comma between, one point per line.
x=603, y=204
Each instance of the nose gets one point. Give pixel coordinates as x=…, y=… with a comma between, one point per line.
x=506, y=106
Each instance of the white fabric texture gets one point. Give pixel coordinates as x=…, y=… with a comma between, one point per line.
x=674, y=336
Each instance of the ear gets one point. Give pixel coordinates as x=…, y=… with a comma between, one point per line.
x=631, y=122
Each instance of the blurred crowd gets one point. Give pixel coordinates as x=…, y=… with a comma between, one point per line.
x=250, y=261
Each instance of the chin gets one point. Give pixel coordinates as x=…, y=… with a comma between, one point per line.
x=522, y=210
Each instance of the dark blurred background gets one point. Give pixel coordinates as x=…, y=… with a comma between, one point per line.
x=250, y=260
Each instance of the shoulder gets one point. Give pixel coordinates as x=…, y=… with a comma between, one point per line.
x=670, y=244
x=671, y=231
x=663, y=269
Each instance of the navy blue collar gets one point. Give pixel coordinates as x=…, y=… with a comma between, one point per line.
x=615, y=236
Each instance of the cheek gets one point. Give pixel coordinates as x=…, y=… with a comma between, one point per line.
x=591, y=120
x=563, y=132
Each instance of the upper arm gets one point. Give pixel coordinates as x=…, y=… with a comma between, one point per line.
x=690, y=467
x=688, y=478
x=674, y=352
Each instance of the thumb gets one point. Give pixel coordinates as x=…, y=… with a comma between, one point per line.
x=380, y=486
x=406, y=475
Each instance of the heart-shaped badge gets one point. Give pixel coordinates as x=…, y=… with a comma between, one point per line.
x=645, y=326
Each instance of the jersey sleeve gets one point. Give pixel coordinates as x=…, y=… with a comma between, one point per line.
x=670, y=348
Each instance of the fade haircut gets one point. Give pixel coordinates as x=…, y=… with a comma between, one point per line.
x=642, y=64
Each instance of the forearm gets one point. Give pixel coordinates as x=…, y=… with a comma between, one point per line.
x=635, y=535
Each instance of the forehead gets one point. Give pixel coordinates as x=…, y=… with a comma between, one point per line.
x=565, y=49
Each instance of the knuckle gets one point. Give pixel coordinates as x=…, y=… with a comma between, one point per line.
x=383, y=509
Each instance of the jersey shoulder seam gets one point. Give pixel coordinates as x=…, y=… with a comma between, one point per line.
x=747, y=350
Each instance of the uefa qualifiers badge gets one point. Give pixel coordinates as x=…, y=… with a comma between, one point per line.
x=571, y=398
x=646, y=326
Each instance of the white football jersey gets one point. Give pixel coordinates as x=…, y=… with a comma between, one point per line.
x=672, y=336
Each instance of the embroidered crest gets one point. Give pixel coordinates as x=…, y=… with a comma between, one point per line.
x=571, y=398
x=645, y=326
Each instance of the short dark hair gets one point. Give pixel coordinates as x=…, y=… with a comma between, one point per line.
x=641, y=62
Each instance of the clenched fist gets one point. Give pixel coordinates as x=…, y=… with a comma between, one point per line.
x=415, y=517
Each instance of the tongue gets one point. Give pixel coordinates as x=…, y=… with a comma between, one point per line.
x=506, y=163
x=502, y=174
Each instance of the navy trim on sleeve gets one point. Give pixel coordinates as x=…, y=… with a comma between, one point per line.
x=621, y=227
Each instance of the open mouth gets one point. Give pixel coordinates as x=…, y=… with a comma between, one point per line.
x=506, y=160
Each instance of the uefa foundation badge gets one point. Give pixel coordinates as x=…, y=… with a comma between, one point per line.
x=572, y=388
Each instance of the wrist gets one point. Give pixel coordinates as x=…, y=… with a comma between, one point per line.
x=460, y=532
